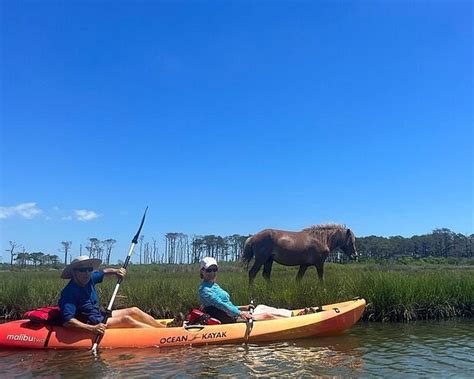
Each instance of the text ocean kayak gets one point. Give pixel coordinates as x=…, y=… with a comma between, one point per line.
x=334, y=319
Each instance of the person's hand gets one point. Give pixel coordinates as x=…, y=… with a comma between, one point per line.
x=121, y=272
x=98, y=329
x=245, y=315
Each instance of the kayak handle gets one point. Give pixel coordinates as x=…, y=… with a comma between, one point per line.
x=191, y=327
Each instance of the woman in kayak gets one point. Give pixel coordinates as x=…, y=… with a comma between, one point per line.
x=216, y=301
x=80, y=306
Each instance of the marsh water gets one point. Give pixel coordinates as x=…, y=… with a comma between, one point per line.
x=427, y=349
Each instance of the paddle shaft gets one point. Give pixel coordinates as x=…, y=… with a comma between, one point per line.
x=108, y=312
x=119, y=281
x=249, y=327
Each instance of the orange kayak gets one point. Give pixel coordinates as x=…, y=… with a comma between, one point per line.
x=333, y=319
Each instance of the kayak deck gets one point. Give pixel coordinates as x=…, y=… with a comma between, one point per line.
x=333, y=319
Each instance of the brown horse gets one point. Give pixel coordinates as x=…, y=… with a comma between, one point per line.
x=309, y=247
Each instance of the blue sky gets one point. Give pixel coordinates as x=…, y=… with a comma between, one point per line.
x=230, y=117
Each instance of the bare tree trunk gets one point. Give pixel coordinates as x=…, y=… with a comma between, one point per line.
x=13, y=246
x=141, y=247
x=66, y=247
x=171, y=246
x=155, y=251
x=109, y=244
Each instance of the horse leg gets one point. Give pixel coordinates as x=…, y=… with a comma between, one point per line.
x=254, y=271
x=301, y=272
x=320, y=269
x=267, y=269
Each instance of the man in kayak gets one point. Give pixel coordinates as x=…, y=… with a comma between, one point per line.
x=80, y=306
x=216, y=301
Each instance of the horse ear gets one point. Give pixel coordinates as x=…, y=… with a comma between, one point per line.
x=348, y=233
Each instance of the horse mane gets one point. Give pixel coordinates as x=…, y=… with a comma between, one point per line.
x=322, y=231
x=329, y=226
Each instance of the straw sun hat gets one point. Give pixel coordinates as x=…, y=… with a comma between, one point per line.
x=80, y=261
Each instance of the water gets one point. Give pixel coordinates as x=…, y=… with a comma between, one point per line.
x=426, y=349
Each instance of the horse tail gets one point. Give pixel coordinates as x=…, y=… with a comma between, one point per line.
x=248, y=253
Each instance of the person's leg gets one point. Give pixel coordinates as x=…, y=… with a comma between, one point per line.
x=265, y=316
x=139, y=316
x=125, y=322
x=219, y=314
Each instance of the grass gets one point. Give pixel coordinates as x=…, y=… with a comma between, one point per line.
x=393, y=292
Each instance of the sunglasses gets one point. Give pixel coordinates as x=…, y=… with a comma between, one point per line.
x=84, y=269
x=211, y=269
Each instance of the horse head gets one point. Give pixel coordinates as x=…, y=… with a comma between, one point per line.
x=348, y=247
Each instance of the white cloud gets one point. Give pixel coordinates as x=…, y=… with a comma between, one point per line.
x=25, y=210
x=85, y=215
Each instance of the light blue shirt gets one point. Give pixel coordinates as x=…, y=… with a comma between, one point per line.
x=211, y=294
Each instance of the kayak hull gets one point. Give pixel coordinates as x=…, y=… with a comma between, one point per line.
x=334, y=319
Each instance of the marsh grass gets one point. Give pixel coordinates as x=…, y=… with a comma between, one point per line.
x=398, y=293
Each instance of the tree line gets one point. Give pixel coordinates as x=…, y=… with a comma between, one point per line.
x=181, y=248
x=35, y=259
x=440, y=243
x=95, y=248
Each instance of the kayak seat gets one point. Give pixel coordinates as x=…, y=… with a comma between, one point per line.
x=198, y=317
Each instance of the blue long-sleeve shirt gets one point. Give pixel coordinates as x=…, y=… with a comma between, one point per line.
x=81, y=302
x=211, y=294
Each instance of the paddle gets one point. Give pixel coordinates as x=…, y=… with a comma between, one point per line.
x=249, y=327
x=108, y=313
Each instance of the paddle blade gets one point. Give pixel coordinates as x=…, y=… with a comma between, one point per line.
x=135, y=239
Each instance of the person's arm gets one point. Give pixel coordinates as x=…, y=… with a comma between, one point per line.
x=119, y=272
x=68, y=310
x=246, y=315
x=211, y=298
x=74, y=323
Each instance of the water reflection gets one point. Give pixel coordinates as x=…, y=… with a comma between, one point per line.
x=300, y=358
x=441, y=349
x=420, y=349
x=288, y=358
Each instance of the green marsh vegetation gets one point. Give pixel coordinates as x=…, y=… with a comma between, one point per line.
x=395, y=291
